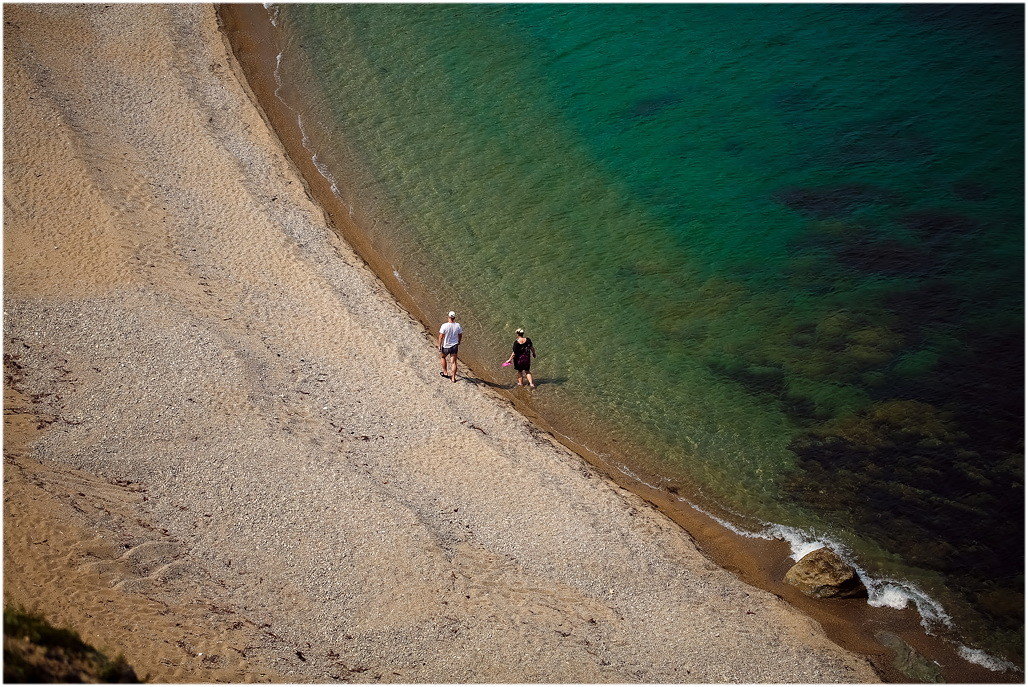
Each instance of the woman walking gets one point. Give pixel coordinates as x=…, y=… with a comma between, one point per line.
x=522, y=356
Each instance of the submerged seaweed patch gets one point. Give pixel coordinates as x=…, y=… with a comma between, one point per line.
x=971, y=190
x=826, y=202
x=649, y=107
x=889, y=139
x=768, y=229
x=949, y=499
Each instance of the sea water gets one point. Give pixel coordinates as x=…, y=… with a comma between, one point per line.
x=771, y=252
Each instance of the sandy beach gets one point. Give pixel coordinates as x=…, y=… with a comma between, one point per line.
x=228, y=452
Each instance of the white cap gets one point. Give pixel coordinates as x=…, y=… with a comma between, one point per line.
x=452, y=314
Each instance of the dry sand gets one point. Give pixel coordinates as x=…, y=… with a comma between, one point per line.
x=229, y=452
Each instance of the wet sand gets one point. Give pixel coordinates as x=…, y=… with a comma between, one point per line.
x=851, y=623
x=231, y=455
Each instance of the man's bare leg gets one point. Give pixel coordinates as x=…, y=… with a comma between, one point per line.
x=454, y=375
x=442, y=360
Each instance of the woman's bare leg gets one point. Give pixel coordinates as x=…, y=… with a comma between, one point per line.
x=521, y=381
x=530, y=382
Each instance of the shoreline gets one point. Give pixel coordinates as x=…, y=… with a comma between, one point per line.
x=761, y=563
x=242, y=440
x=243, y=444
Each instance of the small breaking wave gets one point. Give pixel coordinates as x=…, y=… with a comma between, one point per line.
x=979, y=657
x=277, y=73
x=899, y=594
x=322, y=169
x=304, y=139
x=881, y=592
x=272, y=9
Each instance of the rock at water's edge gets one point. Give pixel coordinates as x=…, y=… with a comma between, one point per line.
x=823, y=575
x=908, y=661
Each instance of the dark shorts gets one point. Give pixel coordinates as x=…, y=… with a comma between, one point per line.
x=452, y=350
x=523, y=367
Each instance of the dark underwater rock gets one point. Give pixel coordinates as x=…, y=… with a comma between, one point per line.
x=940, y=228
x=889, y=139
x=920, y=480
x=908, y=661
x=823, y=575
x=884, y=256
x=653, y=106
x=1001, y=25
x=971, y=191
x=824, y=202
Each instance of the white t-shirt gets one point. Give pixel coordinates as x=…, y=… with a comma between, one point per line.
x=450, y=331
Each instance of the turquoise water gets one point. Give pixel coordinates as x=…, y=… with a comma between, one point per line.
x=771, y=252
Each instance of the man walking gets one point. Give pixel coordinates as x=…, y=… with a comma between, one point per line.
x=450, y=335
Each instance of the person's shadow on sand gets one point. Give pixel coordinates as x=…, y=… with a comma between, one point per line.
x=538, y=382
x=482, y=382
x=550, y=381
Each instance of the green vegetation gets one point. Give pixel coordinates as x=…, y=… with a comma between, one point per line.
x=36, y=651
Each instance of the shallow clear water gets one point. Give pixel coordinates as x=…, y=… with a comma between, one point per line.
x=771, y=251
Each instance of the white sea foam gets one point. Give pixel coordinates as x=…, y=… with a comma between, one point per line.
x=623, y=469
x=323, y=170
x=979, y=657
x=272, y=9
x=800, y=542
x=882, y=592
x=304, y=140
x=725, y=523
x=899, y=594
x=277, y=73
x=888, y=595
